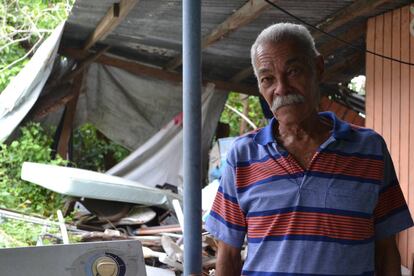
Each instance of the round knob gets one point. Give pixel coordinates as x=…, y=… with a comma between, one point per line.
x=105, y=266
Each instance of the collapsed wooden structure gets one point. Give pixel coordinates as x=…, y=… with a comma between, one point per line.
x=143, y=38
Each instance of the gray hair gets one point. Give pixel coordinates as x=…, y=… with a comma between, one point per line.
x=281, y=32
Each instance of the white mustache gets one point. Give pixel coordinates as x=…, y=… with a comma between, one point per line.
x=286, y=100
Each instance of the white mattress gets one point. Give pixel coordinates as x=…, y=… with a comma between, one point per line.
x=90, y=184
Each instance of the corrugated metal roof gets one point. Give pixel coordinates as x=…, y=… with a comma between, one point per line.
x=151, y=33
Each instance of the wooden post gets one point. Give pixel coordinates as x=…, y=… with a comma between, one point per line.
x=63, y=144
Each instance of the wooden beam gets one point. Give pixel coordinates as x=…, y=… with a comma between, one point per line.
x=80, y=66
x=242, y=74
x=69, y=115
x=113, y=17
x=351, y=61
x=52, y=101
x=244, y=15
x=326, y=49
x=153, y=72
x=345, y=15
x=350, y=35
x=86, y=61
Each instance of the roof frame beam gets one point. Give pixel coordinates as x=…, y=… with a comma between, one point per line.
x=326, y=49
x=345, y=15
x=244, y=15
x=113, y=17
x=52, y=101
x=350, y=35
x=153, y=72
x=352, y=60
x=81, y=66
x=340, y=18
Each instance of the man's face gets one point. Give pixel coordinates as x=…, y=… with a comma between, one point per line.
x=288, y=81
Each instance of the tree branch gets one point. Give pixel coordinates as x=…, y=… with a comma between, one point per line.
x=13, y=42
x=23, y=57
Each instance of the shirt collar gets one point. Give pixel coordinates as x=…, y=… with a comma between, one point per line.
x=265, y=135
x=340, y=130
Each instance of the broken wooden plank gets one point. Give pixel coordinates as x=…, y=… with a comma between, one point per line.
x=69, y=115
x=83, y=64
x=244, y=15
x=113, y=17
x=157, y=73
x=154, y=241
x=52, y=101
x=158, y=229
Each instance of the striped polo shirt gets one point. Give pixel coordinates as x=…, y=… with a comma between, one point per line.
x=320, y=221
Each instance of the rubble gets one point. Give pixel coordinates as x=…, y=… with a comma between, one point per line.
x=112, y=208
x=162, y=245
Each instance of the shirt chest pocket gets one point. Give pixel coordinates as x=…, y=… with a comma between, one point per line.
x=357, y=199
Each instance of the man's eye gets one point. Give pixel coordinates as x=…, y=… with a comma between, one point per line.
x=266, y=80
x=293, y=71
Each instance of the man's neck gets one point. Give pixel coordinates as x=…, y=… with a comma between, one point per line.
x=311, y=128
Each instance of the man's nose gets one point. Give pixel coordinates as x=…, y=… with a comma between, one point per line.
x=281, y=87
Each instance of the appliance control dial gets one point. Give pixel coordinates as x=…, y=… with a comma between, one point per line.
x=105, y=266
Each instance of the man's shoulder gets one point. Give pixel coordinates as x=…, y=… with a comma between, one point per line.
x=364, y=134
x=245, y=147
x=247, y=139
x=363, y=140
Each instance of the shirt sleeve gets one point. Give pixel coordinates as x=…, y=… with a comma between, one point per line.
x=391, y=214
x=226, y=221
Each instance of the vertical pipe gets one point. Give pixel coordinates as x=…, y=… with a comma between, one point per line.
x=192, y=135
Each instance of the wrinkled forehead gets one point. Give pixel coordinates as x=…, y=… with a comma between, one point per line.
x=286, y=46
x=281, y=54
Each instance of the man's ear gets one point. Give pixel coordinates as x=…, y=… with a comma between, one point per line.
x=320, y=67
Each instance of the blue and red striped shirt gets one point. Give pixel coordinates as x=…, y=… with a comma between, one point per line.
x=320, y=221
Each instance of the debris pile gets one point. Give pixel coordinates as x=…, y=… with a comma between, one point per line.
x=108, y=207
x=159, y=231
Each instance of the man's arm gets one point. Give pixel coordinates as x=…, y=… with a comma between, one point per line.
x=228, y=260
x=387, y=257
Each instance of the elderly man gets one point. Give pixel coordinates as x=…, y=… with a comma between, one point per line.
x=314, y=195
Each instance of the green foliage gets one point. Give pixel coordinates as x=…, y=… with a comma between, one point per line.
x=24, y=24
x=14, y=233
x=92, y=149
x=255, y=113
x=33, y=145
